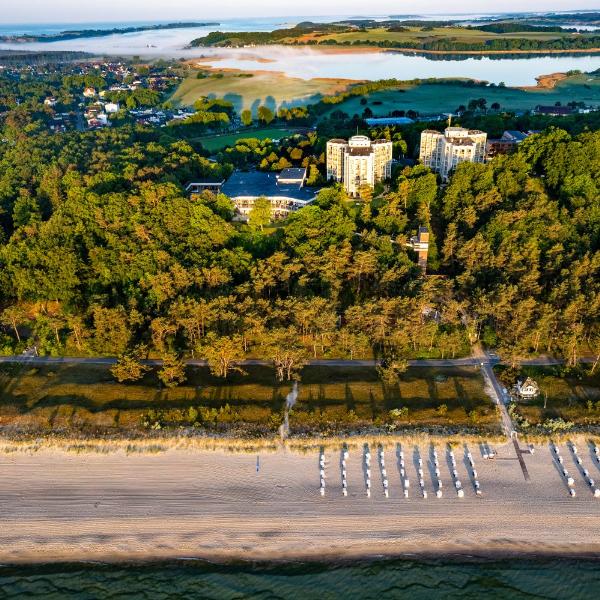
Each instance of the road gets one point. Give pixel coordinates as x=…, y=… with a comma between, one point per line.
x=473, y=361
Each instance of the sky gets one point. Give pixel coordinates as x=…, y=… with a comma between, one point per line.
x=73, y=11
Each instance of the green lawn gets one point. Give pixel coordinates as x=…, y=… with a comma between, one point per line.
x=263, y=88
x=570, y=395
x=213, y=143
x=418, y=35
x=82, y=397
x=436, y=98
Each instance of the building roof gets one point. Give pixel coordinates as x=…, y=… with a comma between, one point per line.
x=359, y=151
x=554, y=110
x=338, y=141
x=461, y=141
x=256, y=184
x=389, y=121
x=293, y=174
x=514, y=135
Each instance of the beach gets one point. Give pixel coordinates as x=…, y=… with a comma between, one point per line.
x=63, y=506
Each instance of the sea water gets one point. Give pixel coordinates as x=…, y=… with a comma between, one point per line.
x=415, y=579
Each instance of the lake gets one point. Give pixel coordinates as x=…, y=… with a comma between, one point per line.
x=303, y=62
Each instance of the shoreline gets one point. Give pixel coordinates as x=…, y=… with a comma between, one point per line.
x=367, y=48
x=219, y=508
x=459, y=554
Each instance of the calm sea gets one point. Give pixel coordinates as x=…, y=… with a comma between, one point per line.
x=435, y=579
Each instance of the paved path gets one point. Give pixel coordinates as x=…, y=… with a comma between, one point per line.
x=472, y=361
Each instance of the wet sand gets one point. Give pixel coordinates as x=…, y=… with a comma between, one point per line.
x=216, y=506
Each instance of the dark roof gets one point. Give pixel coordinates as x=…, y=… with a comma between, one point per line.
x=513, y=134
x=554, y=110
x=353, y=151
x=296, y=174
x=257, y=183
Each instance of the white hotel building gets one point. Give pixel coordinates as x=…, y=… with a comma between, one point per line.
x=442, y=152
x=358, y=162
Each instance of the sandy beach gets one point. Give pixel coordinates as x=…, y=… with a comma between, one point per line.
x=57, y=506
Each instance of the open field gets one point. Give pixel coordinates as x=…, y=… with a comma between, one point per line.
x=436, y=98
x=418, y=34
x=271, y=89
x=218, y=506
x=571, y=396
x=216, y=142
x=86, y=398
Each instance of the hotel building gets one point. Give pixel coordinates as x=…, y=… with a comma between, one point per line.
x=442, y=152
x=358, y=162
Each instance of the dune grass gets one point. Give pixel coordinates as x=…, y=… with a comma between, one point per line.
x=86, y=398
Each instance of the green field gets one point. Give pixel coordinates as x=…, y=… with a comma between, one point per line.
x=214, y=143
x=569, y=395
x=436, y=98
x=263, y=88
x=86, y=398
x=417, y=34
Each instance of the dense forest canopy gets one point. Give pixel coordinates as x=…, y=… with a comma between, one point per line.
x=101, y=251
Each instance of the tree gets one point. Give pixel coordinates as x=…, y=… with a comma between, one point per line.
x=260, y=214
x=265, y=115
x=223, y=354
x=285, y=349
x=172, y=372
x=246, y=117
x=129, y=366
x=14, y=316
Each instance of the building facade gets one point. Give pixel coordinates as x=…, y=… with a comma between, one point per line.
x=442, y=152
x=358, y=162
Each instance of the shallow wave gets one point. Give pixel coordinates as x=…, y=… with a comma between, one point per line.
x=440, y=579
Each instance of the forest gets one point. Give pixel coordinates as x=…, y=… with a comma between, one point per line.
x=102, y=253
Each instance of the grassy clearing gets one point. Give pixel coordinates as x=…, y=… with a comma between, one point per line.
x=569, y=395
x=417, y=35
x=274, y=90
x=86, y=398
x=213, y=143
x=436, y=98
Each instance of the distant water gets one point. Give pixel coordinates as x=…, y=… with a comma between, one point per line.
x=393, y=579
x=302, y=62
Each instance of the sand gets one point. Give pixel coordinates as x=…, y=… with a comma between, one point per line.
x=212, y=505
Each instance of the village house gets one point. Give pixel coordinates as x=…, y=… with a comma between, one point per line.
x=527, y=390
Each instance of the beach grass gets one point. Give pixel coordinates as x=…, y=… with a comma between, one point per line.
x=86, y=397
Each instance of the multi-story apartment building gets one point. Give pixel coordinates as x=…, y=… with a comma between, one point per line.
x=358, y=162
x=442, y=152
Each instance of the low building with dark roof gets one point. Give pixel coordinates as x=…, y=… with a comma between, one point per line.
x=287, y=194
x=553, y=111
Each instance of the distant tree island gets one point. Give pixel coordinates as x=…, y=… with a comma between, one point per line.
x=414, y=35
x=88, y=33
